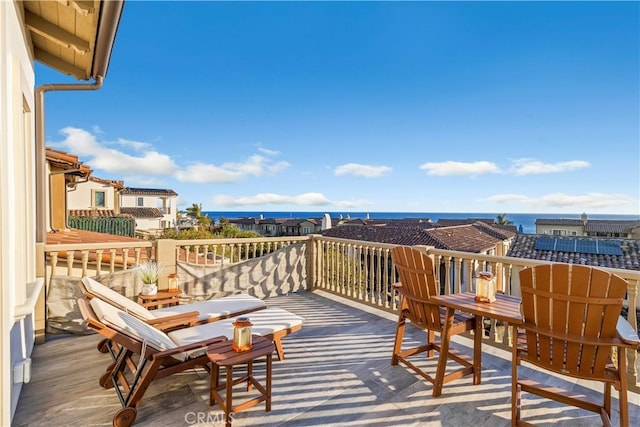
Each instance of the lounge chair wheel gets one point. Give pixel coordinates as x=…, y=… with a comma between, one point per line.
x=102, y=346
x=105, y=380
x=125, y=417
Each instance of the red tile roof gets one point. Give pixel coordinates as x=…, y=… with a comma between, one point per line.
x=467, y=238
x=70, y=236
x=143, y=212
x=148, y=191
x=73, y=236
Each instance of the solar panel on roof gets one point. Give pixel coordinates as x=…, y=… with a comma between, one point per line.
x=583, y=246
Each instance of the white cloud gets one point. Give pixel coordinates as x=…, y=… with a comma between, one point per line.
x=97, y=156
x=535, y=167
x=146, y=161
x=267, y=152
x=136, y=145
x=506, y=198
x=561, y=200
x=201, y=173
x=460, y=168
x=366, y=171
x=306, y=199
x=255, y=165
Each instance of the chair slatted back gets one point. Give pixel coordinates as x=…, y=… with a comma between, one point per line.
x=570, y=314
x=416, y=272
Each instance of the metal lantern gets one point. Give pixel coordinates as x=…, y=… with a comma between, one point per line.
x=173, y=281
x=485, y=287
x=242, y=334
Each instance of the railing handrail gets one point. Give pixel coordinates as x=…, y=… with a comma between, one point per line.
x=232, y=240
x=96, y=246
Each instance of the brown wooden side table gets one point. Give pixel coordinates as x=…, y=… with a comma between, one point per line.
x=222, y=355
x=167, y=298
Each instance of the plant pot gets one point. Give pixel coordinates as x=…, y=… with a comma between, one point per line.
x=149, y=289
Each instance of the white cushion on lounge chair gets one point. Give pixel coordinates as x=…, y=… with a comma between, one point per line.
x=214, y=308
x=123, y=303
x=127, y=324
x=265, y=322
x=209, y=309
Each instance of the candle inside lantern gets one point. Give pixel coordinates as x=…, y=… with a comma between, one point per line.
x=485, y=287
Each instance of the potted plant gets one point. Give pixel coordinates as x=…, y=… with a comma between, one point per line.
x=149, y=273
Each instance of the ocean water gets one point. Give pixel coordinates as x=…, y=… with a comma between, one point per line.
x=527, y=221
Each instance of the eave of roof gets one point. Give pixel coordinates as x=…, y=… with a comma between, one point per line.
x=74, y=37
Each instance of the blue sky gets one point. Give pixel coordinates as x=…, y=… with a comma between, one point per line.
x=513, y=107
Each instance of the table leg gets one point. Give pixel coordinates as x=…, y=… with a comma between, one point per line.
x=268, y=402
x=478, y=333
x=213, y=382
x=229, y=401
x=444, y=353
x=249, y=374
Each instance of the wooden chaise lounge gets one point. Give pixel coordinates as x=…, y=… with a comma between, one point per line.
x=169, y=352
x=147, y=352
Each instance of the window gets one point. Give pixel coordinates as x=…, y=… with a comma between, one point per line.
x=140, y=201
x=99, y=199
x=306, y=230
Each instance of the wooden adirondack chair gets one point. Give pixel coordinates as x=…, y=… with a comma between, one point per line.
x=417, y=285
x=572, y=324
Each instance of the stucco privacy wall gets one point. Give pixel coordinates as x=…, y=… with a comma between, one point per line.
x=278, y=273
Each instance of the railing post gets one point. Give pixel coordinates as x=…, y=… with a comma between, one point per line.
x=312, y=253
x=632, y=355
x=40, y=310
x=166, y=257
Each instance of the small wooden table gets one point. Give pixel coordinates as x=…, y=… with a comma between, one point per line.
x=506, y=308
x=167, y=298
x=221, y=354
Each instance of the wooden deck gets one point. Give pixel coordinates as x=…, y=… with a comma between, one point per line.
x=337, y=372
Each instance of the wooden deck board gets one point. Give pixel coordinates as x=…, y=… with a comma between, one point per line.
x=336, y=372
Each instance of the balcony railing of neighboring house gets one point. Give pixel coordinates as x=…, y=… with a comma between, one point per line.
x=355, y=270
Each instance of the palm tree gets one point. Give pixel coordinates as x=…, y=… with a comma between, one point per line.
x=195, y=210
x=502, y=220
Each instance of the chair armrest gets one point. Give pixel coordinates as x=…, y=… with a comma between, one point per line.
x=183, y=319
x=627, y=333
x=193, y=346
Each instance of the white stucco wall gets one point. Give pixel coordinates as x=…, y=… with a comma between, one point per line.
x=131, y=201
x=82, y=196
x=17, y=200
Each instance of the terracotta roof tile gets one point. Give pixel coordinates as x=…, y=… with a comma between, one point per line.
x=451, y=222
x=143, y=212
x=92, y=212
x=72, y=235
x=112, y=183
x=465, y=238
x=148, y=191
x=605, y=226
x=559, y=221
